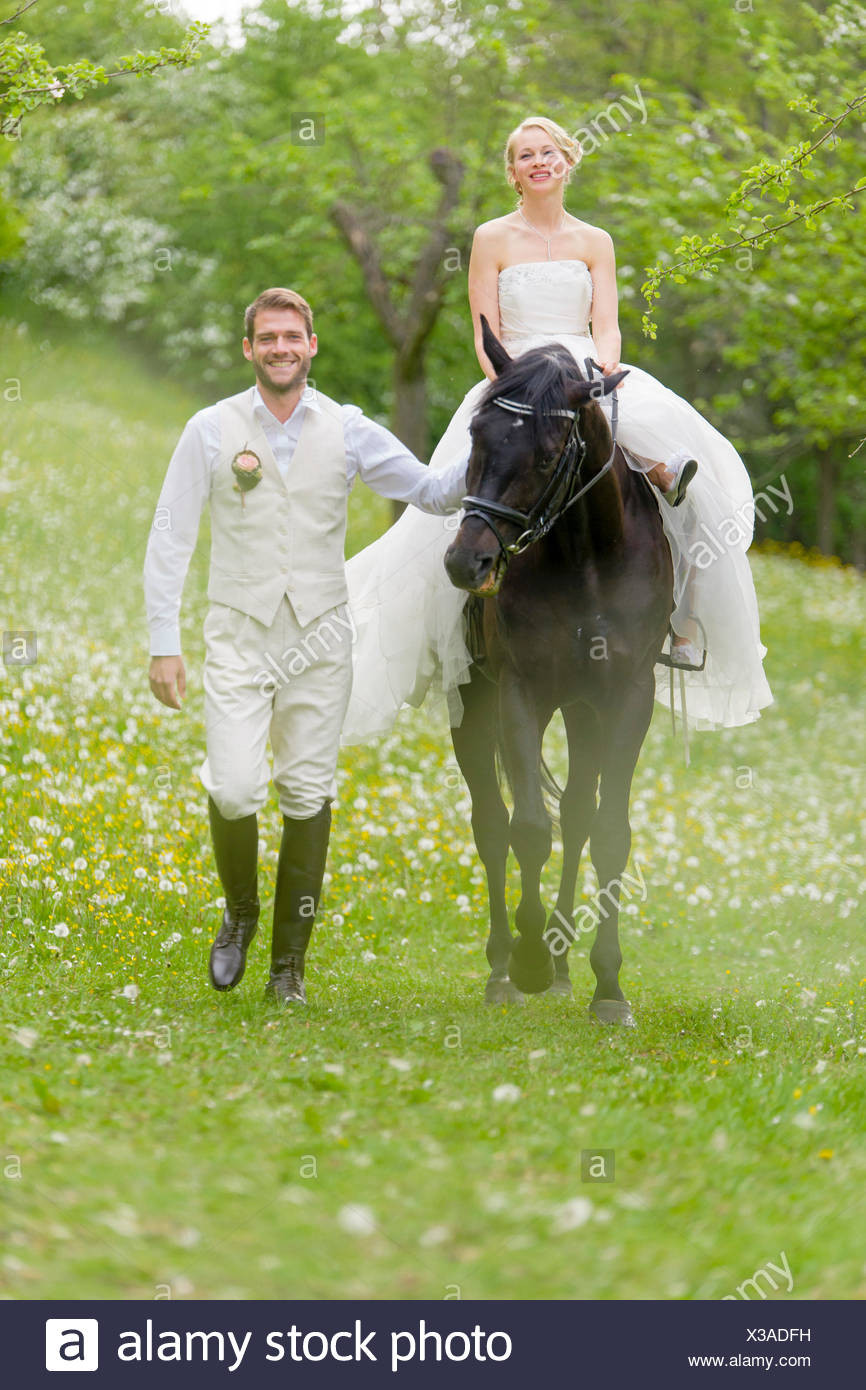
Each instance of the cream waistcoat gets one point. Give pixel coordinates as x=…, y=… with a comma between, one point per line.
x=281, y=537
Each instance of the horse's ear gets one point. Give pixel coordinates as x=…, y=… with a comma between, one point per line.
x=496, y=353
x=582, y=390
x=612, y=380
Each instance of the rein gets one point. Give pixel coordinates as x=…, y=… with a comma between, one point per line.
x=559, y=494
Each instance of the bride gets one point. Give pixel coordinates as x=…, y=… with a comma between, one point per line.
x=541, y=275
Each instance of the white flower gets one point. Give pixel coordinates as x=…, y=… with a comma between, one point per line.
x=60, y=929
x=399, y=1064
x=130, y=991
x=79, y=864
x=123, y=1222
x=139, y=872
x=356, y=1220
x=507, y=1092
x=572, y=1214
x=434, y=1236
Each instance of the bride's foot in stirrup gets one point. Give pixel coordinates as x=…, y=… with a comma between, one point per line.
x=685, y=653
x=672, y=478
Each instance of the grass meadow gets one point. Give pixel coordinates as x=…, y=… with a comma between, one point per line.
x=398, y=1139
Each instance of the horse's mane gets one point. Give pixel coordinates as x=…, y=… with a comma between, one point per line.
x=537, y=378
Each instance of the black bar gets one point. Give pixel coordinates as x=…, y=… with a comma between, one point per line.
x=480, y=1344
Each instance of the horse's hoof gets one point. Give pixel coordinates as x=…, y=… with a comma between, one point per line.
x=613, y=1011
x=502, y=992
x=535, y=974
x=561, y=985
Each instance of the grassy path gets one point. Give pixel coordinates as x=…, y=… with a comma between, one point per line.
x=399, y=1140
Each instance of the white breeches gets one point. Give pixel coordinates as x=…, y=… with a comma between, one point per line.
x=285, y=681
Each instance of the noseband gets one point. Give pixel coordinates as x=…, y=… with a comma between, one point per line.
x=563, y=488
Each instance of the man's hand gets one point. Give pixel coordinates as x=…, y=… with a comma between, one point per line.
x=165, y=673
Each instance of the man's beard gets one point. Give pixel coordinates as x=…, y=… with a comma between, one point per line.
x=282, y=385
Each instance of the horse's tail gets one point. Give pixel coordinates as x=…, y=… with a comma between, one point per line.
x=550, y=788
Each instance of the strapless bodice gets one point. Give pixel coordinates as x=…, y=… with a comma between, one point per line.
x=544, y=299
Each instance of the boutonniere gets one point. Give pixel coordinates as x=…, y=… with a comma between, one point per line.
x=247, y=468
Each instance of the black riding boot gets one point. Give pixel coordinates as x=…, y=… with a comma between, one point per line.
x=236, y=848
x=301, y=865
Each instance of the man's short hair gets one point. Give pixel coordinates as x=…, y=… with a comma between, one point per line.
x=277, y=298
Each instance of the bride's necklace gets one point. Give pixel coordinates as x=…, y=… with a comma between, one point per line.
x=546, y=239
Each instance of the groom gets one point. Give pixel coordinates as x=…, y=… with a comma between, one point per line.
x=276, y=463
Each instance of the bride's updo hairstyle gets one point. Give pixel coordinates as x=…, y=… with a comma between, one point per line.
x=569, y=148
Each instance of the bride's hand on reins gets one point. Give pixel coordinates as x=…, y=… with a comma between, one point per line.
x=608, y=368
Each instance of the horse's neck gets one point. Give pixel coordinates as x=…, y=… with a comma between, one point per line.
x=601, y=510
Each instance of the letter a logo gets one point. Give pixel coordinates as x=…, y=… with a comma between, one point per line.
x=71, y=1344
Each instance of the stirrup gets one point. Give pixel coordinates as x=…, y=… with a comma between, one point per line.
x=665, y=659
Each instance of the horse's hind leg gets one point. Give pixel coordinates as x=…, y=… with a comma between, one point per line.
x=609, y=845
x=475, y=748
x=576, y=811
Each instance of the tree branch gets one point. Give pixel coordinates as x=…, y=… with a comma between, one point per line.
x=364, y=249
x=18, y=13
x=749, y=187
x=428, y=286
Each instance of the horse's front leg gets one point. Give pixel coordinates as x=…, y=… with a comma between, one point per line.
x=609, y=846
x=531, y=967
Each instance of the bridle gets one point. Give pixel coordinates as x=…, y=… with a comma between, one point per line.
x=563, y=488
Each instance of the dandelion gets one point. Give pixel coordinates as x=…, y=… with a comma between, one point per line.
x=507, y=1093
x=434, y=1236
x=571, y=1215
x=60, y=929
x=356, y=1220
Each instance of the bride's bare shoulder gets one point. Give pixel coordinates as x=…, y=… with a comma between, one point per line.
x=490, y=236
x=596, y=239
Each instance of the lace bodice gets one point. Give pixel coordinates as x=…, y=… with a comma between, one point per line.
x=544, y=299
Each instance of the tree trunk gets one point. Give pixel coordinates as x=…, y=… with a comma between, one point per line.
x=407, y=325
x=409, y=413
x=828, y=476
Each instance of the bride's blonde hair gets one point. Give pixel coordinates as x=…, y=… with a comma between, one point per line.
x=568, y=146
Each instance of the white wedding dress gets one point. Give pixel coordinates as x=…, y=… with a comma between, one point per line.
x=408, y=615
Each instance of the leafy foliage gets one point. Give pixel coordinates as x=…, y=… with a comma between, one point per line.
x=695, y=119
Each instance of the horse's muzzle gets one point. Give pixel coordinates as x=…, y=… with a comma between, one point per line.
x=468, y=569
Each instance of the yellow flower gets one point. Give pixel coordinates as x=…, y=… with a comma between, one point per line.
x=826, y=1153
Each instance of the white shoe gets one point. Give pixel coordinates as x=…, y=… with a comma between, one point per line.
x=684, y=468
x=686, y=654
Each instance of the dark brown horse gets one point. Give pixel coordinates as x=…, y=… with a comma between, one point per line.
x=565, y=544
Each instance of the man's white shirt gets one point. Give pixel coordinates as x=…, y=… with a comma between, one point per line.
x=372, y=452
